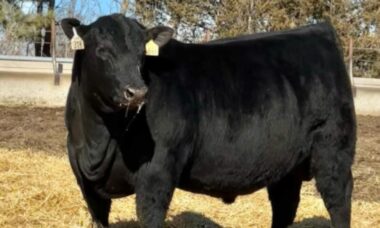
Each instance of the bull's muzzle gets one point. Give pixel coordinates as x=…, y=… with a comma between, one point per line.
x=135, y=97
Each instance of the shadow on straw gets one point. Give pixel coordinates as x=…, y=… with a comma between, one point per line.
x=315, y=222
x=183, y=220
x=191, y=219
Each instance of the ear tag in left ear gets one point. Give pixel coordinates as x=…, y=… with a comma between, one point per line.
x=76, y=42
x=151, y=48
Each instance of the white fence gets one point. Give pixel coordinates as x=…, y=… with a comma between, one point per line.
x=30, y=81
x=367, y=96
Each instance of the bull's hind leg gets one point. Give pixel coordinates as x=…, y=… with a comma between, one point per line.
x=332, y=157
x=284, y=197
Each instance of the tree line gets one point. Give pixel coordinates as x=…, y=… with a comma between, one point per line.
x=201, y=20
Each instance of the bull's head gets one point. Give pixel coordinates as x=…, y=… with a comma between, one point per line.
x=114, y=48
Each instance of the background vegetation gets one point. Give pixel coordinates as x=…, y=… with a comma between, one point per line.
x=198, y=21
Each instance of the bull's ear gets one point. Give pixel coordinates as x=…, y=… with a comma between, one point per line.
x=160, y=34
x=68, y=24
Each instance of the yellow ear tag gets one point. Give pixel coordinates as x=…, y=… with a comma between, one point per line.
x=151, y=48
x=76, y=42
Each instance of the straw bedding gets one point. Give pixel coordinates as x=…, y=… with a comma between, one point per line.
x=38, y=189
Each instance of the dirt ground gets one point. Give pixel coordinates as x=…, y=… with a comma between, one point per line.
x=37, y=188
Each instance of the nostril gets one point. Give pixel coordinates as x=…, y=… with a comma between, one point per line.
x=129, y=93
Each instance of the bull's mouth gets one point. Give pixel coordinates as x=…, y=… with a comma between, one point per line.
x=132, y=103
x=133, y=99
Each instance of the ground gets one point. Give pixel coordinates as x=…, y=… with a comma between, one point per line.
x=37, y=187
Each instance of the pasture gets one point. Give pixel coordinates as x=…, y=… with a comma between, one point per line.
x=38, y=189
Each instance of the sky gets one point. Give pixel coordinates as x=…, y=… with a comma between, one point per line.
x=89, y=9
x=92, y=9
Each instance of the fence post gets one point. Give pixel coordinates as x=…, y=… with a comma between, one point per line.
x=206, y=37
x=350, y=64
x=53, y=53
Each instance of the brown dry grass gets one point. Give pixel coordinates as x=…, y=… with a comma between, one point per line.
x=37, y=188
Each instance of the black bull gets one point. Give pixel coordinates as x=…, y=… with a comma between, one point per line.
x=224, y=118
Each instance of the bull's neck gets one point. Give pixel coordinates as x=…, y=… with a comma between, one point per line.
x=99, y=119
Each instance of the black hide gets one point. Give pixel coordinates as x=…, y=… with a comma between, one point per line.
x=232, y=116
x=108, y=140
x=223, y=118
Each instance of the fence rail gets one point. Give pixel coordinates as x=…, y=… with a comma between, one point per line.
x=27, y=65
x=373, y=83
x=30, y=80
x=42, y=66
x=33, y=59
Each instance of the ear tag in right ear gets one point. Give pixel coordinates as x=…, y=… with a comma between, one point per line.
x=151, y=48
x=76, y=42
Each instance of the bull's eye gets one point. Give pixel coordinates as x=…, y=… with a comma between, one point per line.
x=101, y=51
x=104, y=53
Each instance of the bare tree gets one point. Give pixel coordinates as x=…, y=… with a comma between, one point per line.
x=42, y=45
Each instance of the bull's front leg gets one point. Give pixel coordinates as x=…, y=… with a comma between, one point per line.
x=154, y=188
